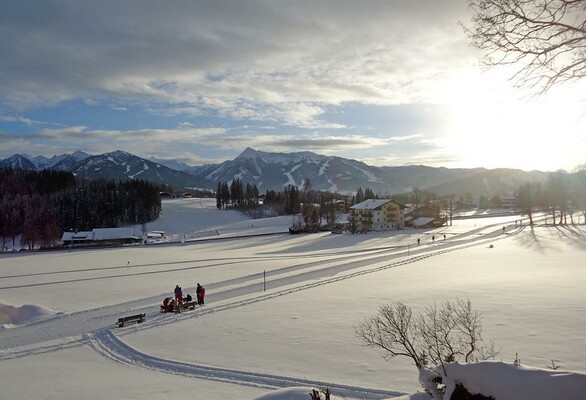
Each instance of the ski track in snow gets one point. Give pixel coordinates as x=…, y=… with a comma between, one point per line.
x=108, y=345
x=94, y=327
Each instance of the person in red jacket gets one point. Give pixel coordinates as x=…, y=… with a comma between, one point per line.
x=203, y=295
x=167, y=305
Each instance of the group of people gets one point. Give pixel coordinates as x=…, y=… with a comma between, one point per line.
x=200, y=292
x=170, y=303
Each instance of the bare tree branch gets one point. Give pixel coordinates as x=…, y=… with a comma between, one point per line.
x=546, y=38
x=441, y=334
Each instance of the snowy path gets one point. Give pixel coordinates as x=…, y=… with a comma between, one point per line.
x=108, y=345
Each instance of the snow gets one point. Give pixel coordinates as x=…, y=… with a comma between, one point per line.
x=511, y=382
x=11, y=316
x=292, y=393
x=59, y=310
x=422, y=221
x=370, y=204
x=290, y=179
x=370, y=177
x=112, y=233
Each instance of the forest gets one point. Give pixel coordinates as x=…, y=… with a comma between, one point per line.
x=40, y=206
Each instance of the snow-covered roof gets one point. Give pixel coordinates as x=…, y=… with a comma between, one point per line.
x=100, y=234
x=370, y=204
x=84, y=235
x=421, y=221
x=113, y=233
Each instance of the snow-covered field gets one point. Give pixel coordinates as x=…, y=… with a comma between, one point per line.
x=59, y=309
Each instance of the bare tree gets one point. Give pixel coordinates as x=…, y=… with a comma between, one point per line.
x=546, y=38
x=393, y=331
x=528, y=196
x=445, y=333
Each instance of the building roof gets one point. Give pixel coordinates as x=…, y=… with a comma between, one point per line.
x=84, y=235
x=422, y=221
x=113, y=233
x=101, y=234
x=508, y=197
x=372, y=204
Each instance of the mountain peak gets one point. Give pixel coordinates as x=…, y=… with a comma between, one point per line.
x=80, y=155
x=17, y=161
x=249, y=152
x=119, y=153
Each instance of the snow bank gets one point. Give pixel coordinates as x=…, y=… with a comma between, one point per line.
x=11, y=315
x=515, y=382
x=292, y=393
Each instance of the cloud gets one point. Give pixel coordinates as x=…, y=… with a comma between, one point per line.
x=372, y=80
x=24, y=120
x=204, y=53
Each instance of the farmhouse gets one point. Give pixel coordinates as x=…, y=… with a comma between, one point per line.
x=100, y=237
x=378, y=215
x=425, y=222
x=503, y=201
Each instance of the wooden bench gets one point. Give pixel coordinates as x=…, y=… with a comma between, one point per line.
x=185, y=306
x=138, y=318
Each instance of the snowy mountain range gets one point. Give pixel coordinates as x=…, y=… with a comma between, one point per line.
x=274, y=171
x=337, y=174
x=114, y=165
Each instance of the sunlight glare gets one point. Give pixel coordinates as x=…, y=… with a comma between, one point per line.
x=494, y=125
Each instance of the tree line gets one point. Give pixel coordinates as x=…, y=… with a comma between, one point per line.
x=237, y=194
x=562, y=196
x=311, y=206
x=40, y=206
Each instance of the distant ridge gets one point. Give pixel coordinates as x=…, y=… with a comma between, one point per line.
x=122, y=165
x=275, y=171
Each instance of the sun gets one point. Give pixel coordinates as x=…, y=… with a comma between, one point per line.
x=494, y=125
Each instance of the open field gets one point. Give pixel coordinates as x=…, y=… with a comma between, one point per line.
x=530, y=288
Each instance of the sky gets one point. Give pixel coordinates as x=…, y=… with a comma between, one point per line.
x=245, y=341
x=385, y=82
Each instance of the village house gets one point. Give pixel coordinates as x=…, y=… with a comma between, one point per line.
x=378, y=215
x=503, y=201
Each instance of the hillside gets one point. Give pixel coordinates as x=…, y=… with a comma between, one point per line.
x=275, y=171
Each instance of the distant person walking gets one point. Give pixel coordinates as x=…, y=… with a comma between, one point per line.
x=433, y=238
x=418, y=241
x=178, y=294
x=203, y=295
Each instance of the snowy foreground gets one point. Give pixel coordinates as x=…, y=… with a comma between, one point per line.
x=58, y=310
